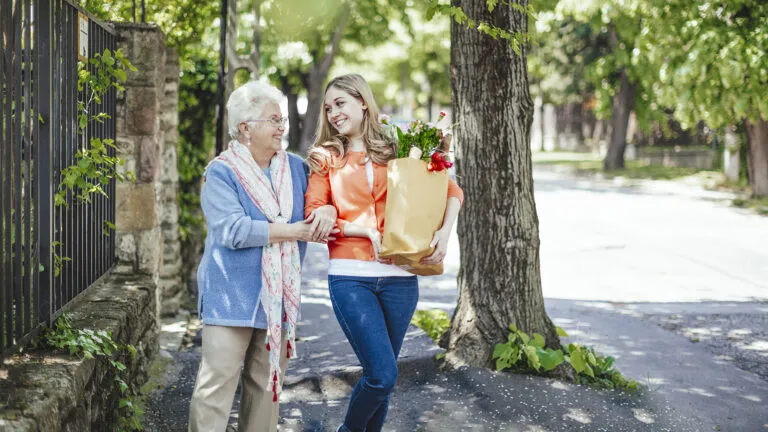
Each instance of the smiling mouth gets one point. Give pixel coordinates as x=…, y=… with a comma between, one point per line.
x=340, y=123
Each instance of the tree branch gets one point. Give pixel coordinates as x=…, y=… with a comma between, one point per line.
x=333, y=46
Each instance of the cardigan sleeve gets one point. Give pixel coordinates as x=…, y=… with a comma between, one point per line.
x=228, y=223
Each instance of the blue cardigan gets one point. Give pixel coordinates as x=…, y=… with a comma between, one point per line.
x=229, y=276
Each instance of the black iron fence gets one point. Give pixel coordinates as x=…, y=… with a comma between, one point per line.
x=41, y=41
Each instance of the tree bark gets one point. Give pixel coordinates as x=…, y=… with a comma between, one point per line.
x=235, y=62
x=499, y=279
x=294, y=118
x=757, y=156
x=315, y=80
x=623, y=103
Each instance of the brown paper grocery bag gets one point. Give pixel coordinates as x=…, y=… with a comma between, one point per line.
x=416, y=200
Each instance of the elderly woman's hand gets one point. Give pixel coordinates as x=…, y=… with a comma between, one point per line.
x=323, y=221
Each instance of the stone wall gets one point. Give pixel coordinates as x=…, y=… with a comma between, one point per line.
x=171, y=286
x=147, y=212
x=46, y=391
x=42, y=390
x=689, y=158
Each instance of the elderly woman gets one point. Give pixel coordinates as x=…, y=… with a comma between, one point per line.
x=250, y=274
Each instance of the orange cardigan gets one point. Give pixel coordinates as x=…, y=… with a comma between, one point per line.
x=347, y=189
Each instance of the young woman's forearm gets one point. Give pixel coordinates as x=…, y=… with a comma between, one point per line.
x=452, y=208
x=352, y=230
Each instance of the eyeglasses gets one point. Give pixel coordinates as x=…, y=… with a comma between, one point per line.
x=274, y=122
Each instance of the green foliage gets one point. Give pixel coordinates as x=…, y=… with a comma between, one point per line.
x=424, y=136
x=183, y=21
x=94, y=168
x=596, y=370
x=90, y=344
x=524, y=353
x=708, y=58
x=197, y=113
x=515, y=39
x=434, y=322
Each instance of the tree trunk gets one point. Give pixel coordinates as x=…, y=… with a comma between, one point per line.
x=235, y=62
x=757, y=156
x=499, y=280
x=315, y=81
x=294, y=118
x=315, y=97
x=623, y=102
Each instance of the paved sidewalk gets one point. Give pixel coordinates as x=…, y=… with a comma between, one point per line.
x=625, y=269
x=687, y=387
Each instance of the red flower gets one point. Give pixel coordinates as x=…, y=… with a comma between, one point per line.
x=442, y=115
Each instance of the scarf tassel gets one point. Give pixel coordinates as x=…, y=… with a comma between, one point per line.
x=274, y=387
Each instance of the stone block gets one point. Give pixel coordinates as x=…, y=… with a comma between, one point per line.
x=145, y=48
x=149, y=160
x=135, y=207
x=168, y=213
x=171, y=86
x=170, y=169
x=171, y=270
x=171, y=306
x=172, y=136
x=150, y=252
x=126, y=146
x=129, y=165
x=125, y=247
x=142, y=108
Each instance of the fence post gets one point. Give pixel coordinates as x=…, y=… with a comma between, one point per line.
x=44, y=151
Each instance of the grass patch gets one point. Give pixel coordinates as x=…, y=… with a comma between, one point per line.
x=434, y=322
x=632, y=170
x=760, y=205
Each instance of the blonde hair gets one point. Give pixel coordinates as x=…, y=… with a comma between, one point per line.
x=379, y=147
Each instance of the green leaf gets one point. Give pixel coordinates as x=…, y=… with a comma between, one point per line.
x=122, y=385
x=126, y=403
x=430, y=13
x=532, y=356
x=550, y=358
x=576, y=359
x=524, y=337
x=120, y=75
x=500, y=350
x=561, y=332
x=538, y=340
x=588, y=370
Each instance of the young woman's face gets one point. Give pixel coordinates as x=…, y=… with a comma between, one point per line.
x=344, y=112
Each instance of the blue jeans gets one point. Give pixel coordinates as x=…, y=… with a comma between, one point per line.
x=374, y=314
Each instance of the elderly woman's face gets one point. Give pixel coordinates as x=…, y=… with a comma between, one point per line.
x=264, y=133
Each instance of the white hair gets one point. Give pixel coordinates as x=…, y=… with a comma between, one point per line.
x=247, y=103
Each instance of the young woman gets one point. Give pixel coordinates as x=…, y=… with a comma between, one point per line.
x=373, y=300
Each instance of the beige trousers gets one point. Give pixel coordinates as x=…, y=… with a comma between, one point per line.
x=230, y=353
